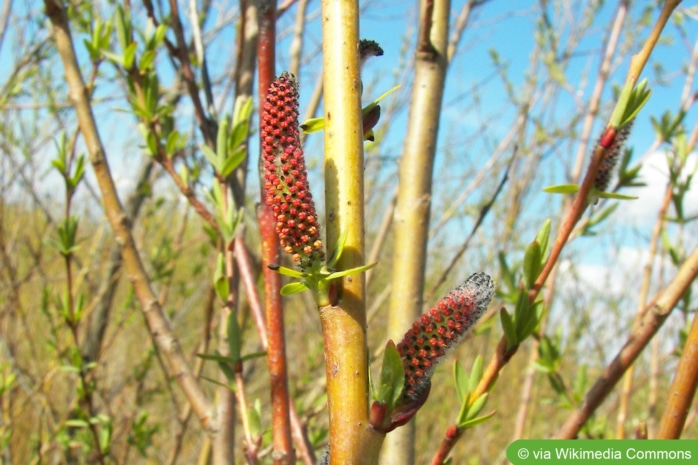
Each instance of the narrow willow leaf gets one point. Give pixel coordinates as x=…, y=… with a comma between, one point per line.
x=222, y=143
x=392, y=376
x=241, y=123
x=543, y=238
x=210, y=156
x=350, y=271
x=215, y=358
x=532, y=264
x=461, y=380
x=508, y=327
x=368, y=108
x=477, y=406
x=233, y=161
x=171, y=144
x=288, y=272
x=313, y=125
x=293, y=288
x=230, y=387
x=129, y=55
x=562, y=189
x=254, y=418
x=476, y=421
x=613, y=195
x=475, y=373
x=252, y=356
x=338, y=249
x=220, y=282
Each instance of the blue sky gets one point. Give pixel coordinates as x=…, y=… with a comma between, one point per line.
x=475, y=96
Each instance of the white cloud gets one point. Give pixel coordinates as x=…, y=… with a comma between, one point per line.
x=655, y=174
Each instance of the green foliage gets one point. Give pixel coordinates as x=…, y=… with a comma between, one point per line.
x=227, y=216
x=66, y=243
x=526, y=317
x=392, y=379
x=317, y=279
x=318, y=124
x=230, y=144
x=468, y=415
x=632, y=99
x=63, y=164
x=668, y=126
x=142, y=433
x=55, y=268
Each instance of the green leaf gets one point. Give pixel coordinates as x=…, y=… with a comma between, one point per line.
x=220, y=279
x=521, y=314
x=215, y=358
x=508, y=327
x=603, y=214
x=476, y=421
x=475, y=373
x=530, y=320
x=562, y=189
x=638, y=98
x=160, y=34
x=129, y=55
x=313, y=125
x=350, y=271
x=288, y=272
x=77, y=423
x=210, y=156
x=254, y=418
x=233, y=161
x=227, y=371
x=532, y=264
x=172, y=143
x=461, y=380
x=631, y=100
x=543, y=239
x=252, y=356
x=151, y=143
x=222, y=143
x=147, y=60
x=230, y=386
x=369, y=108
x=79, y=172
x=293, y=288
x=318, y=124
x=477, y=406
x=123, y=27
x=613, y=195
x=241, y=123
x=338, y=249
x=392, y=378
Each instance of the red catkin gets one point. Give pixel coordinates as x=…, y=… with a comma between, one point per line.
x=285, y=175
x=441, y=329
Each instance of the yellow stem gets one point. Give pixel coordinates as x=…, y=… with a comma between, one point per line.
x=344, y=325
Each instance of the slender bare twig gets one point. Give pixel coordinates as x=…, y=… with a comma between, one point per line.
x=297, y=42
x=152, y=311
x=654, y=316
x=486, y=208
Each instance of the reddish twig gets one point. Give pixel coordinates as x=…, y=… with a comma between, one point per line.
x=276, y=352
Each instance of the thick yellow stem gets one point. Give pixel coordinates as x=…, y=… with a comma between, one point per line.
x=344, y=326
